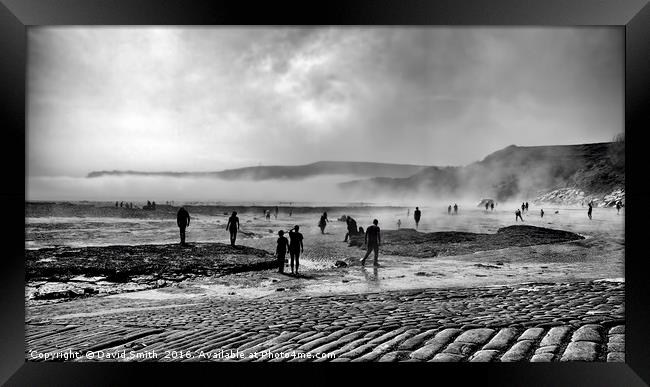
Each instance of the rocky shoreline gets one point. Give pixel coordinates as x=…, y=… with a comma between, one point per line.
x=409, y=242
x=66, y=272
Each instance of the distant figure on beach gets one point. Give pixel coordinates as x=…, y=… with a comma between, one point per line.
x=116, y=204
x=281, y=250
x=417, y=214
x=183, y=221
x=295, y=247
x=487, y=206
x=523, y=207
x=372, y=241
x=518, y=215
x=352, y=227
x=589, y=210
x=618, y=207
x=276, y=212
x=323, y=222
x=455, y=209
x=267, y=214
x=399, y=223
x=121, y=204
x=526, y=206
x=233, y=227
x=290, y=212
x=541, y=213
x=449, y=210
x=492, y=206
x=153, y=205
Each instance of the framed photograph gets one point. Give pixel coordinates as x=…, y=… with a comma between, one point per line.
x=364, y=184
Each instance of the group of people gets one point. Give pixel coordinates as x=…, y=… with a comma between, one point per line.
x=124, y=205
x=456, y=209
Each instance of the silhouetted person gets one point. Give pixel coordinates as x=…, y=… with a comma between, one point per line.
x=148, y=204
x=183, y=221
x=281, y=250
x=492, y=206
x=399, y=223
x=518, y=215
x=526, y=206
x=323, y=222
x=449, y=210
x=276, y=212
x=372, y=240
x=233, y=227
x=523, y=207
x=618, y=207
x=121, y=204
x=267, y=214
x=361, y=230
x=589, y=210
x=295, y=247
x=352, y=228
x=116, y=204
x=153, y=205
x=417, y=214
x=290, y=211
x=455, y=209
x=541, y=213
x=487, y=206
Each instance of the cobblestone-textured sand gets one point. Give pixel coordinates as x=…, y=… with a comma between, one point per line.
x=554, y=322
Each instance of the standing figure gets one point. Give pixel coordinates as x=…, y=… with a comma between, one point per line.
x=116, y=204
x=372, y=240
x=492, y=206
x=399, y=223
x=523, y=207
x=541, y=213
x=449, y=210
x=417, y=214
x=295, y=247
x=526, y=206
x=276, y=212
x=183, y=221
x=455, y=209
x=487, y=206
x=233, y=227
x=281, y=250
x=352, y=227
x=267, y=214
x=618, y=207
x=290, y=212
x=323, y=222
x=518, y=215
x=589, y=210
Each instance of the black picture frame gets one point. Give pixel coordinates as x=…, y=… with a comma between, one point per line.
x=16, y=15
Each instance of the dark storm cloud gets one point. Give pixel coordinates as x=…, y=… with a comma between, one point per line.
x=212, y=98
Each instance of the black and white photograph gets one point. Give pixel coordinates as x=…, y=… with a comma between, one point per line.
x=325, y=194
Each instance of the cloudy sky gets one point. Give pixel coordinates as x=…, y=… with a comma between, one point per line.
x=204, y=99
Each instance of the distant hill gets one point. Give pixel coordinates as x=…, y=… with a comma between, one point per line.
x=352, y=168
x=512, y=173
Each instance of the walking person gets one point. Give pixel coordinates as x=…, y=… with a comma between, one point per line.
x=183, y=221
x=589, y=210
x=526, y=206
x=618, y=207
x=281, y=250
x=399, y=223
x=492, y=206
x=295, y=247
x=416, y=215
x=233, y=227
x=323, y=222
x=372, y=241
x=518, y=215
x=487, y=206
x=455, y=209
x=449, y=210
x=541, y=213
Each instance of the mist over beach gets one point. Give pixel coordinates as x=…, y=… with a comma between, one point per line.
x=369, y=194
